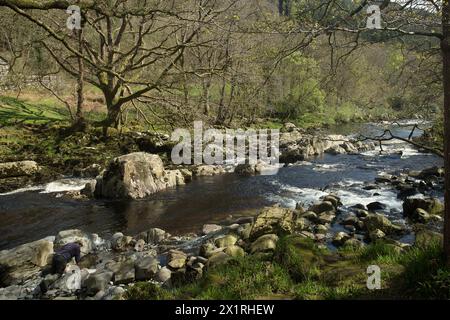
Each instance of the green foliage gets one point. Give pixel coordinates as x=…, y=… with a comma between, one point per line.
x=243, y=278
x=426, y=275
x=300, y=270
x=379, y=252
x=299, y=257
x=13, y=111
x=147, y=291
x=300, y=92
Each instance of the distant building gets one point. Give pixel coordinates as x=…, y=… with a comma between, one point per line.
x=4, y=69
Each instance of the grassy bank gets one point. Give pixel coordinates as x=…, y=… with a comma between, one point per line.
x=298, y=269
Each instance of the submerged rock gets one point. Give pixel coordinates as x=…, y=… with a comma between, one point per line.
x=431, y=172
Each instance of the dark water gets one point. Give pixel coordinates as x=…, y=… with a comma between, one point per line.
x=32, y=215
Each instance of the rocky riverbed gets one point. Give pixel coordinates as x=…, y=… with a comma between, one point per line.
x=110, y=266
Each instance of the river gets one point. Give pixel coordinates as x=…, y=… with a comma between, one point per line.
x=37, y=212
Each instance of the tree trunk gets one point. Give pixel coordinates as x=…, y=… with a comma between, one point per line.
x=445, y=46
x=80, y=84
x=112, y=118
x=221, y=114
x=205, y=95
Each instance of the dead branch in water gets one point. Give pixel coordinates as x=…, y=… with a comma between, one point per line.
x=388, y=136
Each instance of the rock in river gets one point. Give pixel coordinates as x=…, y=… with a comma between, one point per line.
x=18, y=169
x=378, y=221
x=135, y=176
x=430, y=205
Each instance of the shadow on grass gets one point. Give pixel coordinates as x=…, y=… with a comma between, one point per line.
x=14, y=111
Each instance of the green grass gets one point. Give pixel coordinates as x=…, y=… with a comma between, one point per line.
x=300, y=270
x=426, y=275
x=243, y=278
x=379, y=252
x=13, y=111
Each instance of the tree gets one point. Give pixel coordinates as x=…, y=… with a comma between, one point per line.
x=129, y=48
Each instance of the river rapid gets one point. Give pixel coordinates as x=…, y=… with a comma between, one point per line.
x=36, y=212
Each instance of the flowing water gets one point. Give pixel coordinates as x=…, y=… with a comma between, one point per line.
x=37, y=212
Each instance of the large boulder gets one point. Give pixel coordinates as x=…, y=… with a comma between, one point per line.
x=18, y=169
x=234, y=251
x=421, y=216
x=246, y=169
x=380, y=222
x=163, y=275
x=135, y=176
x=68, y=236
x=430, y=205
x=275, y=220
x=36, y=253
x=154, y=236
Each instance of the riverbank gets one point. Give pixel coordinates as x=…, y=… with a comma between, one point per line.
x=349, y=222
